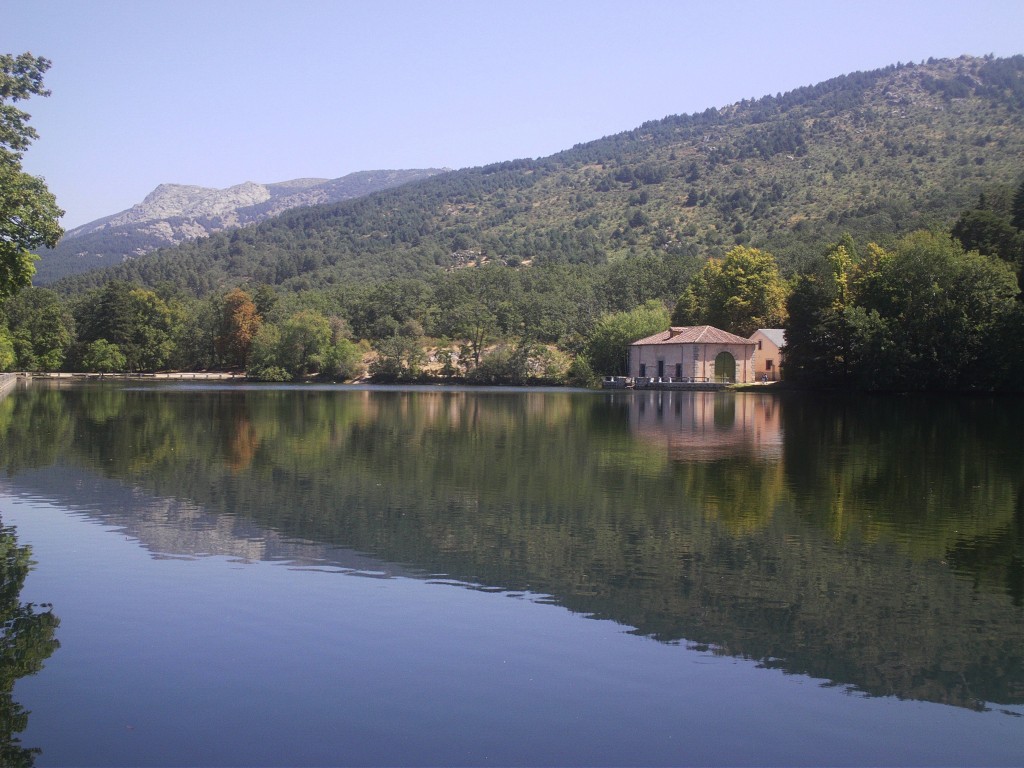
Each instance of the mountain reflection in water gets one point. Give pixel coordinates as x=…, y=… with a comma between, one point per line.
x=877, y=544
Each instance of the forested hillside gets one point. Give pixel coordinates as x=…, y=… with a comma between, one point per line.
x=875, y=154
x=174, y=213
x=878, y=218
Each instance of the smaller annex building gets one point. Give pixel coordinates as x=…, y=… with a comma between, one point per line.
x=768, y=359
x=700, y=353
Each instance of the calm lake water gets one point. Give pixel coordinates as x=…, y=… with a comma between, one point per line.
x=343, y=576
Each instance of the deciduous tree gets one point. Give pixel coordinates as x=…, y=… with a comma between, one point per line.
x=138, y=321
x=946, y=303
x=818, y=333
x=239, y=324
x=399, y=356
x=924, y=314
x=740, y=293
x=42, y=327
x=28, y=210
x=305, y=337
x=6, y=349
x=613, y=333
x=104, y=357
x=478, y=304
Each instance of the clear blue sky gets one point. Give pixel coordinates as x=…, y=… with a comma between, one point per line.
x=217, y=92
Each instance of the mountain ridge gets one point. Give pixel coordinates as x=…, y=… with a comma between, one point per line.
x=173, y=213
x=876, y=154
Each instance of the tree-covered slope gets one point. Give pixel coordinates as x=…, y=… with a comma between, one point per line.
x=174, y=213
x=876, y=154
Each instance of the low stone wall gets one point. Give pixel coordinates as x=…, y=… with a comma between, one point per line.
x=179, y=376
x=7, y=382
x=646, y=382
x=688, y=386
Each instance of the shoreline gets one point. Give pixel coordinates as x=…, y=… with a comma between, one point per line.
x=171, y=376
x=8, y=381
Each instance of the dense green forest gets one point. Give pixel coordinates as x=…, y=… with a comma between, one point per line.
x=540, y=270
x=147, y=226
x=875, y=154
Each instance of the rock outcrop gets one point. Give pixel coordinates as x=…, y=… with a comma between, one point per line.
x=173, y=213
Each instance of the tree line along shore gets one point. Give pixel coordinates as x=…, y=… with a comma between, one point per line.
x=472, y=277
x=933, y=311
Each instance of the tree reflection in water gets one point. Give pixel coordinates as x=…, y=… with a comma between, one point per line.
x=26, y=641
x=872, y=542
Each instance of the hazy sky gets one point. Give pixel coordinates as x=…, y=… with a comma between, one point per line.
x=217, y=92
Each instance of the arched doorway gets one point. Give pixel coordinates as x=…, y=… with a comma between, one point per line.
x=725, y=367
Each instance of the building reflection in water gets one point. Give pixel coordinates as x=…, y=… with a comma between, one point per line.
x=708, y=426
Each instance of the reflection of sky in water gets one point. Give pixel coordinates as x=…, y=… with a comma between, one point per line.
x=216, y=661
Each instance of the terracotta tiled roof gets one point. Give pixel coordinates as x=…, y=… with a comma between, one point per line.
x=694, y=334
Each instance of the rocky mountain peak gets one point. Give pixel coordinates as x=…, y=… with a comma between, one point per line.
x=173, y=213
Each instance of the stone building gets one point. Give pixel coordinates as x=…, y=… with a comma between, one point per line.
x=698, y=353
x=768, y=358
